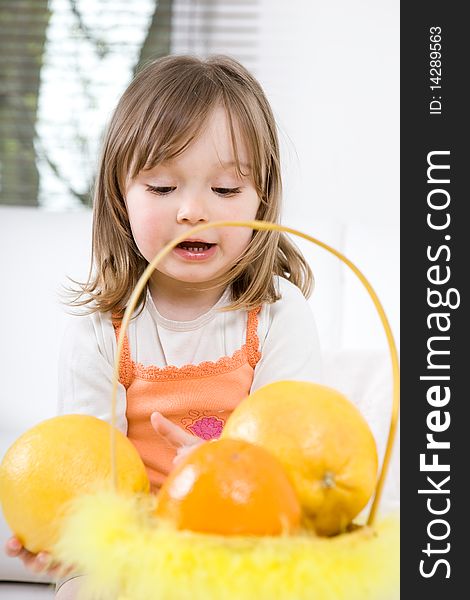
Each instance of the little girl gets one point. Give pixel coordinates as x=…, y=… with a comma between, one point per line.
x=191, y=141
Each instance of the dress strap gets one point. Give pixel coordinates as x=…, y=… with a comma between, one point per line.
x=252, y=340
x=126, y=366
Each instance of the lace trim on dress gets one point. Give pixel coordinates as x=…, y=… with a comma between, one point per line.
x=252, y=340
x=249, y=351
x=126, y=367
x=204, y=369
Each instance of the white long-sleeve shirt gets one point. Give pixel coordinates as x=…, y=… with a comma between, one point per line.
x=287, y=334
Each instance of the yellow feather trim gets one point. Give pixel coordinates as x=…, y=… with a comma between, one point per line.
x=128, y=555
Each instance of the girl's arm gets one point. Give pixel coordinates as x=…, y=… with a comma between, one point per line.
x=86, y=370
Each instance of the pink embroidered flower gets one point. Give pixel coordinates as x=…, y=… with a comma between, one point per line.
x=207, y=428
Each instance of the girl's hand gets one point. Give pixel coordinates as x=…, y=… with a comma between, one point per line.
x=37, y=563
x=180, y=439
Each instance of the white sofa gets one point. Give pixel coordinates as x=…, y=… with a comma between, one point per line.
x=39, y=249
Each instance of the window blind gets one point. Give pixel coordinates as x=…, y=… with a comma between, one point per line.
x=63, y=66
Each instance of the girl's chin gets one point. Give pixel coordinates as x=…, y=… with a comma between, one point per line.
x=189, y=275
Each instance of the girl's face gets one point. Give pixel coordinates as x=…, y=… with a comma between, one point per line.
x=199, y=186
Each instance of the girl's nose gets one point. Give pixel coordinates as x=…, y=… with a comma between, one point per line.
x=192, y=210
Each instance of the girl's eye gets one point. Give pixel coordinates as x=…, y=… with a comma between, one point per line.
x=160, y=190
x=226, y=191
x=165, y=190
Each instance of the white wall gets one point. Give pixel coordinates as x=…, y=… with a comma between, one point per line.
x=331, y=72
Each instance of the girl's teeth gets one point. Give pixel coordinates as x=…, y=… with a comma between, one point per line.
x=195, y=249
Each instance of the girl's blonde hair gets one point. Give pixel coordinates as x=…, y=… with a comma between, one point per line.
x=162, y=111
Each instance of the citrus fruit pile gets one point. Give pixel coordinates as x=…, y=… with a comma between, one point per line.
x=291, y=454
x=322, y=441
x=285, y=436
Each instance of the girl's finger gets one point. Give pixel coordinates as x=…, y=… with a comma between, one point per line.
x=176, y=436
x=58, y=571
x=13, y=547
x=38, y=563
x=182, y=452
x=30, y=561
x=43, y=561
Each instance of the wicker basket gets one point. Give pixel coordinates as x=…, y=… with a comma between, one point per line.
x=127, y=556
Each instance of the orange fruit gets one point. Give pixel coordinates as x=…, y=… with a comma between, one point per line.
x=52, y=463
x=229, y=487
x=322, y=441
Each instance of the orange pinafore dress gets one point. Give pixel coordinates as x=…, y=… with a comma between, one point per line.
x=198, y=398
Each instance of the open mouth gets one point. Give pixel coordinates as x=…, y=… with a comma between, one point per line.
x=196, y=250
x=192, y=246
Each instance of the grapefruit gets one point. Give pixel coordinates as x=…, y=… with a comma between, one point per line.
x=52, y=463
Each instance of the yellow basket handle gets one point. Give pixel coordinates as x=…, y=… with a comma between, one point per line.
x=266, y=226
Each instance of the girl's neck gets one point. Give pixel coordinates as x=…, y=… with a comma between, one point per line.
x=179, y=301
